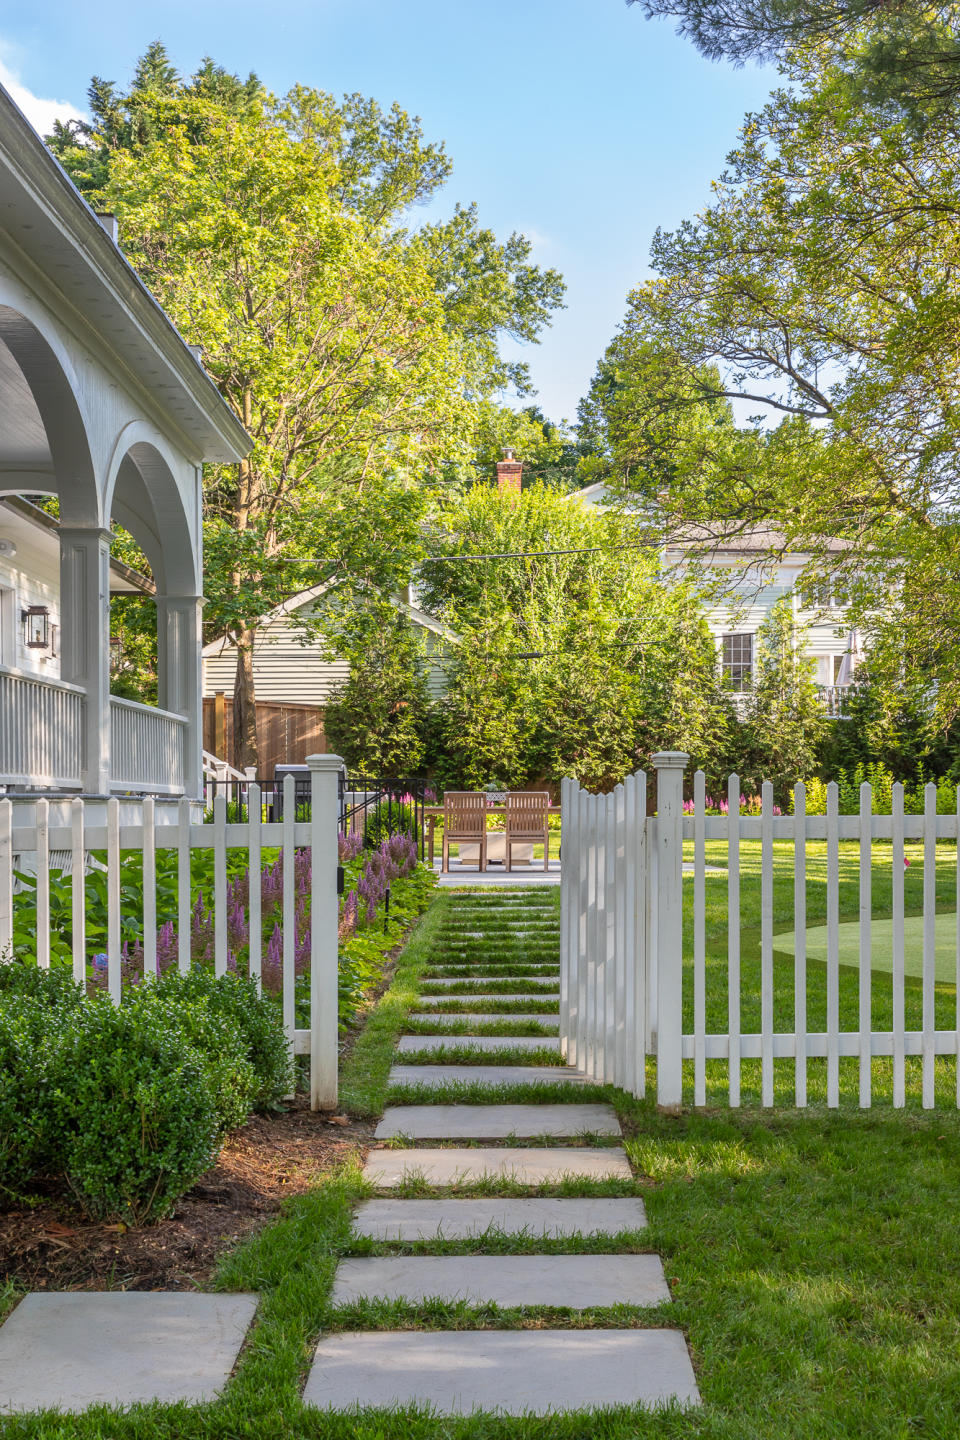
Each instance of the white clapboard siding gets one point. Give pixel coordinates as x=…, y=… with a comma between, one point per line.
x=34, y=847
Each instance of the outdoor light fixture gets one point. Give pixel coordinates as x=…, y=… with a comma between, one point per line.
x=36, y=627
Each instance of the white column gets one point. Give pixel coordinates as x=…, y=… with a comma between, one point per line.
x=85, y=641
x=669, y=765
x=179, y=642
x=324, y=926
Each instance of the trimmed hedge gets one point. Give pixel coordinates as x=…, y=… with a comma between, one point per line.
x=126, y=1106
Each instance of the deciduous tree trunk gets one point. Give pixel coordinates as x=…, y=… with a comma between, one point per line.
x=244, y=705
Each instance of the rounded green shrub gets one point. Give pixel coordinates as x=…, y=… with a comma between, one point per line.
x=257, y=1023
x=139, y=1119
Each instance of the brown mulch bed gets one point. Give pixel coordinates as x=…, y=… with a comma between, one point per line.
x=51, y=1246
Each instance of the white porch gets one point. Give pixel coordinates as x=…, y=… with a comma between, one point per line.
x=109, y=412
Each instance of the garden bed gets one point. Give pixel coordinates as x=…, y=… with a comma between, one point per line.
x=50, y=1246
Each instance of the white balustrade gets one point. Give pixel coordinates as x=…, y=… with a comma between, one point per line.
x=41, y=730
x=146, y=748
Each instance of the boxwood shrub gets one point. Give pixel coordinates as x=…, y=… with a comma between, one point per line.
x=126, y=1106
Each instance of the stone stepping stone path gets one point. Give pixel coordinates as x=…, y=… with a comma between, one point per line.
x=77, y=1349
x=464, y=1219
x=495, y=1122
x=517, y=1371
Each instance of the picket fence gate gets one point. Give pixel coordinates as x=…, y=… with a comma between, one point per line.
x=623, y=900
x=34, y=845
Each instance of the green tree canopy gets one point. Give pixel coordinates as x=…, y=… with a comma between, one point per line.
x=574, y=659
x=354, y=348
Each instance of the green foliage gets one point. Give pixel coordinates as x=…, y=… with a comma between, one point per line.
x=137, y=1109
x=256, y=1025
x=390, y=820
x=360, y=354
x=881, y=781
x=376, y=719
x=574, y=663
x=128, y=1104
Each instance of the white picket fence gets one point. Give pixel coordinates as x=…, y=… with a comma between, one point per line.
x=32, y=846
x=624, y=897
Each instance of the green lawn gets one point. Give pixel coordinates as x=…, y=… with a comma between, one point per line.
x=715, y=887
x=881, y=945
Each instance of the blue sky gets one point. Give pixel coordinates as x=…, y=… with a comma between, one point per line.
x=575, y=121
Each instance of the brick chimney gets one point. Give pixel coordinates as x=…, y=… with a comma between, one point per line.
x=509, y=470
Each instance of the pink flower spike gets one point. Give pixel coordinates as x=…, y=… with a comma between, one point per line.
x=906, y=861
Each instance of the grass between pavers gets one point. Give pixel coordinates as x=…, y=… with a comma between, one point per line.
x=813, y=1259
x=457, y=1028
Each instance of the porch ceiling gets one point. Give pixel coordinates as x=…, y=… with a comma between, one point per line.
x=24, y=450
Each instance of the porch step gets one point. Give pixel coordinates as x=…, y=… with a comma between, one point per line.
x=510, y=1372
x=575, y=1282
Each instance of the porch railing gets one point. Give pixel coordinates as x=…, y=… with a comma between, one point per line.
x=146, y=748
x=41, y=730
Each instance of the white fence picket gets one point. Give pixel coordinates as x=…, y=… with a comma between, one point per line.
x=618, y=1069
x=43, y=883
x=833, y=945
x=733, y=936
x=78, y=910
x=766, y=945
x=699, y=941
x=149, y=889
x=254, y=898
x=866, y=918
x=183, y=886
x=114, y=978
x=929, y=939
x=899, y=989
x=800, y=944
x=6, y=879
x=289, y=899
x=220, y=885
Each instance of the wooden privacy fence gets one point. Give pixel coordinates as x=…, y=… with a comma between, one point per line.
x=753, y=1009
x=25, y=860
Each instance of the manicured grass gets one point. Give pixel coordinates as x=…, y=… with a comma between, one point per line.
x=881, y=945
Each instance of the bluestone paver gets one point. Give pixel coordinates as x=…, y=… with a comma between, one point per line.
x=511, y=1372
x=435, y=1076
x=78, y=1349
x=576, y=1282
x=452, y=1219
x=409, y=1043
x=386, y=1169
x=546, y=1020
x=495, y=1122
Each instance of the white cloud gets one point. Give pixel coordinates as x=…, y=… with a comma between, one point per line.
x=41, y=113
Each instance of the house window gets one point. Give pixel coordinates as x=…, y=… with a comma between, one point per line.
x=738, y=661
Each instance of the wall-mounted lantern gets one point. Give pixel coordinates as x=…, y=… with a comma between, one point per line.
x=36, y=627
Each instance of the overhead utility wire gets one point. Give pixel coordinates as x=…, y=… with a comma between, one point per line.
x=493, y=555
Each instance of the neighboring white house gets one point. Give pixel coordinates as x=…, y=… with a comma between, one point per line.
x=105, y=407
x=749, y=584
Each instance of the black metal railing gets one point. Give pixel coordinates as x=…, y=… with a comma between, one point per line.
x=380, y=807
x=372, y=807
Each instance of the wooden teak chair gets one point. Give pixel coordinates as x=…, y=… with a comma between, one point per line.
x=464, y=819
x=527, y=817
